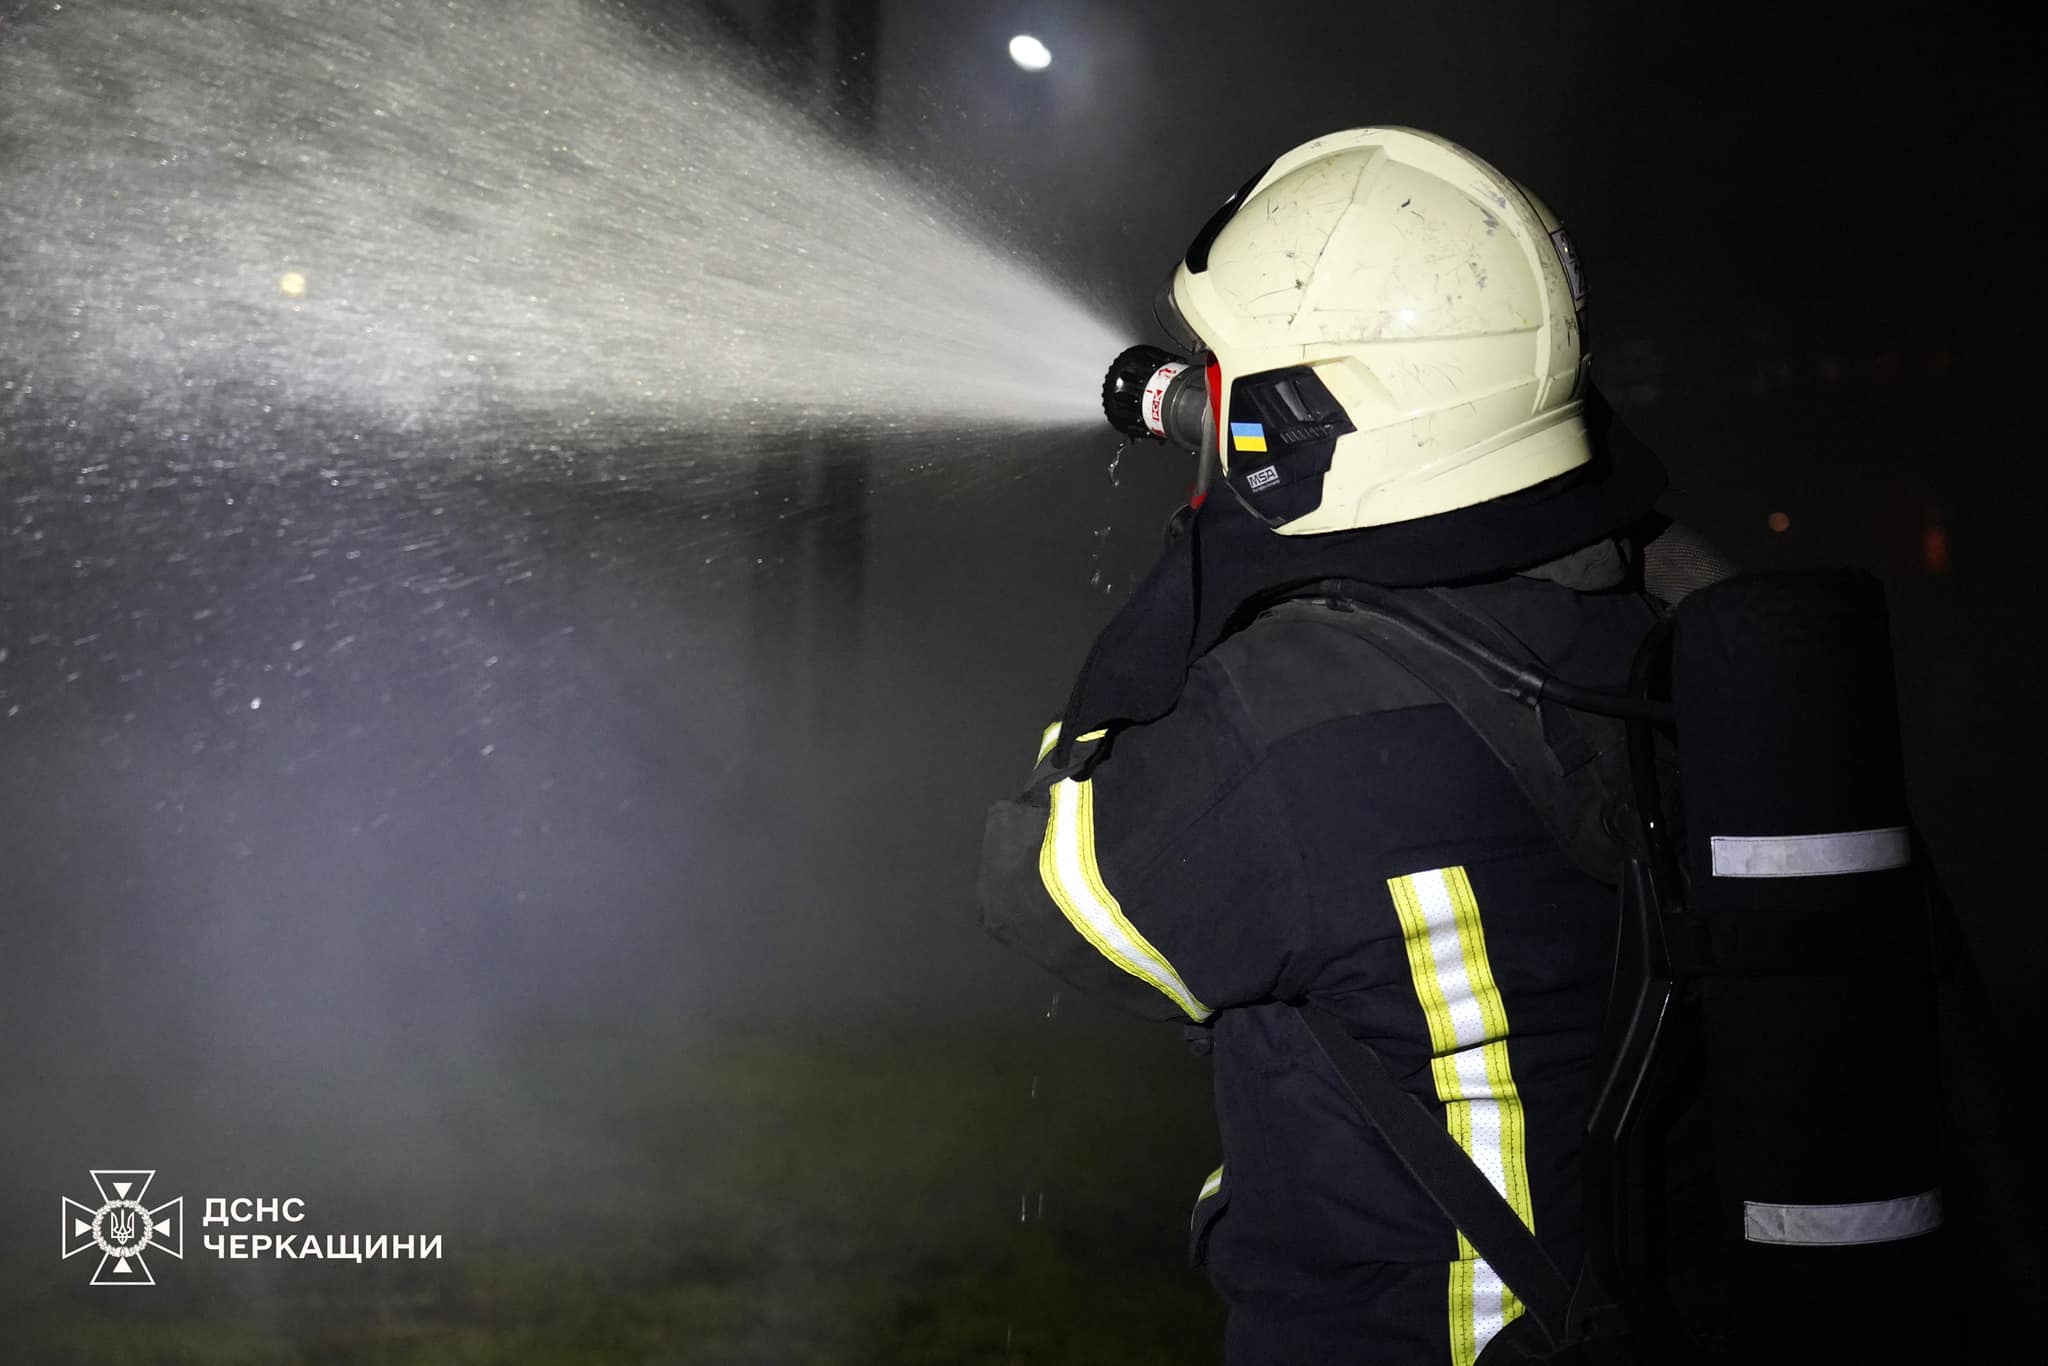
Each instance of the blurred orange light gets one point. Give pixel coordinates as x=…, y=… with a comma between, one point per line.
x=1934, y=549
x=1780, y=522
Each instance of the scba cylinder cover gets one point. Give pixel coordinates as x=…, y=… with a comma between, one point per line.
x=1816, y=989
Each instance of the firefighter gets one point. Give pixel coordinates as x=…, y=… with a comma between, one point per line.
x=1247, y=806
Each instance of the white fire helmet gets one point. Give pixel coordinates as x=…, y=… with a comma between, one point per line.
x=1395, y=332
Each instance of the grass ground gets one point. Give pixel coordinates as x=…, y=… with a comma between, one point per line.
x=726, y=1195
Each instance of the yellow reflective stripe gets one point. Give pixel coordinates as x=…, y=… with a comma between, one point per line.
x=1067, y=867
x=1464, y=1291
x=1468, y=1030
x=1421, y=967
x=1047, y=741
x=1499, y=1080
x=1210, y=1185
x=1051, y=737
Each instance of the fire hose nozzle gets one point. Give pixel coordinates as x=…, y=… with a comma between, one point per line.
x=1150, y=394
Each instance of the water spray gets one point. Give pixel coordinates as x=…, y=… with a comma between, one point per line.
x=487, y=218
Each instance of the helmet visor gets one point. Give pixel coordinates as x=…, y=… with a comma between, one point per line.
x=1197, y=258
x=1174, y=323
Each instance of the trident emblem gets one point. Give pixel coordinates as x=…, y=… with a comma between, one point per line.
x=123, y=1228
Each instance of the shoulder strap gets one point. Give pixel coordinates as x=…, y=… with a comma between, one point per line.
x=1573, y=768
x=1447, y=1173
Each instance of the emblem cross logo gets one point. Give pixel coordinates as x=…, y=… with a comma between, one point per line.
x=122, y=1228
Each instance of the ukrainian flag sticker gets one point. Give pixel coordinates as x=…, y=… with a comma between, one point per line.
x=1247, y=436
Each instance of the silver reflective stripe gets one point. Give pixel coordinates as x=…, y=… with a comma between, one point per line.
x=1876, y=1221
x=1851, y=851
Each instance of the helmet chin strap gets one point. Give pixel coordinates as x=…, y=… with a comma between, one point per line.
x=1212, y=423
x=1205, y=466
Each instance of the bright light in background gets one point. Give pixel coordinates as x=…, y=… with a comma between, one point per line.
x=1779, y=522
x=1027, y=52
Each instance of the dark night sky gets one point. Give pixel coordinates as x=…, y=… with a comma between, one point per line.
x=1771, y=168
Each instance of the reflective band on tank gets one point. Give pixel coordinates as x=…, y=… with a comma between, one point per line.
x=1067, y=867
x=1468, y=1030
x=1153, y=408
x=1851, y=851
x=1874, y=1221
